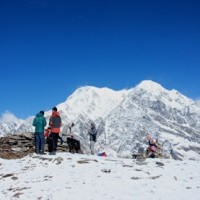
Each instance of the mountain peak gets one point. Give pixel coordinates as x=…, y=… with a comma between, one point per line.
x=8, y=117
x=150, y=86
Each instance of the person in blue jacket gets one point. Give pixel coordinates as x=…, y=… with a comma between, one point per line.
x=39, y=122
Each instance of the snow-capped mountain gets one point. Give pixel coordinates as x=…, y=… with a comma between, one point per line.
x=124, y=117
x=149, y=108
x=9, y=123
x=89, y=103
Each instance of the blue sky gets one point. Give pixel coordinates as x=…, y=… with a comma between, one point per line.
x=50, y=48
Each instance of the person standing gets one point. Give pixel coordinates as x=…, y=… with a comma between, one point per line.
x=55, y=123
x=93, y=135
x=39, y=122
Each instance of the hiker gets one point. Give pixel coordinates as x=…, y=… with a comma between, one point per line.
x=74, y=144
x=55, y=123
x=93, y=134
x=152, y=150
x=47, y=132
x=48, y=138
x=39, y=122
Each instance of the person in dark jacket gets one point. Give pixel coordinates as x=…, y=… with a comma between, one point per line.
x=39, y=122
x=55, y=123
x=93, y=136
x=73, y=144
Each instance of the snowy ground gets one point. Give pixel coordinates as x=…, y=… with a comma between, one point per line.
x=86, y=177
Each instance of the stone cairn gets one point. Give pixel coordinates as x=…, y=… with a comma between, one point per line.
x=20, y=145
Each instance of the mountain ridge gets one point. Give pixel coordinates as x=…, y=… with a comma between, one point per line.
x=124, y=117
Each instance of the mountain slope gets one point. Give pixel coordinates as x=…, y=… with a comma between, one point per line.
x=150, y=108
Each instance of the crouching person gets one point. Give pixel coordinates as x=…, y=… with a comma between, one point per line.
x=48, y=137
x=152, y=150
x=73, y=144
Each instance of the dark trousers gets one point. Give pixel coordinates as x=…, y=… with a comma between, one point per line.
x=74, y=145
x=39, y=142
x=54, y=141
x=49, y=143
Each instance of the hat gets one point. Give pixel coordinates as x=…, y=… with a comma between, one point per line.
x=93, y=124
x=54, y=109
x=42, y=112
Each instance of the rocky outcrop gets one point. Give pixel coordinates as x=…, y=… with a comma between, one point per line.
x=20, y=145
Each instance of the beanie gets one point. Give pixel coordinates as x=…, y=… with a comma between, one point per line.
x=42, y=112
x=54, y=109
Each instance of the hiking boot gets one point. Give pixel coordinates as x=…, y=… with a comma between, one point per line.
x=37, y=152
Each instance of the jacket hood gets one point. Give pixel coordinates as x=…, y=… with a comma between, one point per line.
x=39, y=115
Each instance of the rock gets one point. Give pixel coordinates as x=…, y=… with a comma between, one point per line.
x=160, y=163
x=58, y=160
x=20, y=145
x=106, y=170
